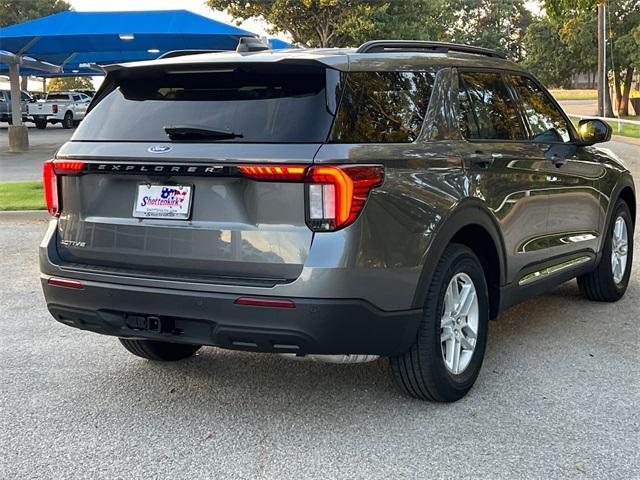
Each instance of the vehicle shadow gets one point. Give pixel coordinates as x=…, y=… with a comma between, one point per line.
x=521, y=352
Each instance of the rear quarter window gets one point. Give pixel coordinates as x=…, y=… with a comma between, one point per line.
x=382, y=107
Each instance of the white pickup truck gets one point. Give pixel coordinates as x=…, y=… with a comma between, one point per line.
x=67, y=108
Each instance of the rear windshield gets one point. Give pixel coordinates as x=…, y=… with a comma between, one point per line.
x=58, y=96
x=263, y=104
x=259, y=103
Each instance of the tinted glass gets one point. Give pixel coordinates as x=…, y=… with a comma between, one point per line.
x=382, y=107
x=58, y=96
x=487, y=110
x=263, y=103
x=545, y=120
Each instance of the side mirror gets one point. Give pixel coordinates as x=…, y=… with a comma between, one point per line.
x=594, y=131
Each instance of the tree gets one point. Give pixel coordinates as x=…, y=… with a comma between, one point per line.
x=623, y=44
x=546, y=53
x=69, y=83
x=341, y=23
x=17, y=11
x=495, y=24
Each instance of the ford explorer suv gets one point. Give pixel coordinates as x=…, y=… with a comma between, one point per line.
x=339, y=204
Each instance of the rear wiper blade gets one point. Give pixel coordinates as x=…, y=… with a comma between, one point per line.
x=187, y=132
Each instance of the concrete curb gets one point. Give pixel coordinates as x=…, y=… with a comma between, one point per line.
x=25, y=216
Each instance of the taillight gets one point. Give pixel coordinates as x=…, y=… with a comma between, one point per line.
x=54, y=108
x=50, y=172
x=337, y=194
x=280, y=173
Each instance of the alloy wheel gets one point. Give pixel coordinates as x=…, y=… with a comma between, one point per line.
x=459, y=323
x=619, y=250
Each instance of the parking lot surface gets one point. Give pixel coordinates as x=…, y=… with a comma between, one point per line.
x=558, y=397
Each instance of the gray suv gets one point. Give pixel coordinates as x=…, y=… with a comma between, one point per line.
x=342, y=204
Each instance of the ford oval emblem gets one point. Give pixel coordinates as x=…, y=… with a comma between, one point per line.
x=160, y=149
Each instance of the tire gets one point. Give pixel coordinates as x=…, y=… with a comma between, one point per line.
x=600, y=285
x=159, y=351
x=421, y=372
x=40, y=124
x=67, y=122
x=76, y=123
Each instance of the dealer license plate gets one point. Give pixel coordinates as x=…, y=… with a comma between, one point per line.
x=163, y=201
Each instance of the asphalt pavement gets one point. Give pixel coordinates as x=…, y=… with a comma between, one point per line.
x=558, y=397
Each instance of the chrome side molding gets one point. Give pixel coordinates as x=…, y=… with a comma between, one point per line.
x=545, y=272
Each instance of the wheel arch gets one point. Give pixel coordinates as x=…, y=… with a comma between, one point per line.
x=472, y=225
x=627, y=194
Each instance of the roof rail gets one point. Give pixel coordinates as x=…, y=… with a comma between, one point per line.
x=418, y=45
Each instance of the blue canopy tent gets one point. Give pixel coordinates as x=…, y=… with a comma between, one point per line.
x=68, y=43
x=75, y=39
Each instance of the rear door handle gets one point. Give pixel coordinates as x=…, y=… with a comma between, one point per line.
x=481, y=159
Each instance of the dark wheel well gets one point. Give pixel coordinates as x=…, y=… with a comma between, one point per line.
x=627, y=195
x=479, y=240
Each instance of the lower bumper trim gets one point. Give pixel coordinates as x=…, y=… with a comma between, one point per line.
x=315, y=326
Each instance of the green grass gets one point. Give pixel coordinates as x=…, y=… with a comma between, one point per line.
x=21, y=196
x=626, y=130
x=561, y=94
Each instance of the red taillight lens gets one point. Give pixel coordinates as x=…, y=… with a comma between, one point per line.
x=68, y=167
x=280, y=173
x=337, y=194
x=50, y=183
x=50, y=171
x=54, y=108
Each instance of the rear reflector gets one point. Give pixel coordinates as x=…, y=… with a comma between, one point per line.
x=63, y=282
x=265, y=302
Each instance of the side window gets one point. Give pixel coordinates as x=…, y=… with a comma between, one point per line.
x=382, y=107
x=545, y=120
x=77, y=98
x=487, y=111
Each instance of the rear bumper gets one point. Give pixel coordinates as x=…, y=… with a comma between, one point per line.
x=317, y=326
